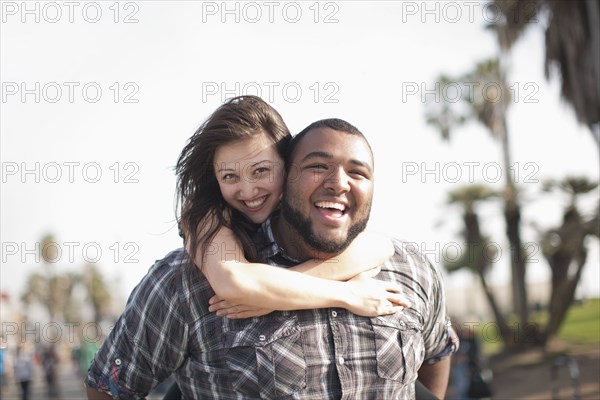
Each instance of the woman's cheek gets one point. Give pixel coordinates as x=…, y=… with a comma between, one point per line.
x=227, y=194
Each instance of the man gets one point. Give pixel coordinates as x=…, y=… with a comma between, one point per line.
x=326, y=203
x=311, y=354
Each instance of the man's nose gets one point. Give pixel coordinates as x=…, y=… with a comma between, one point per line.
x=337, y=181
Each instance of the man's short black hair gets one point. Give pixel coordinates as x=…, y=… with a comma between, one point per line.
x=332, y=123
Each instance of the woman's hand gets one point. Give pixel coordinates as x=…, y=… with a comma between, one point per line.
x=224, y=308
x=371, y=297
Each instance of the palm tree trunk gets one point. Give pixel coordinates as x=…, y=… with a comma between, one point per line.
x=512, y=212
x=502, y=325
x=562, y=296
x=480, y=265
x=512, y=216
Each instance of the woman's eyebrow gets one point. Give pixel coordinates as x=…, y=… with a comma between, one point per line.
x=263, y=161
x=225, y=168
x=254, y=164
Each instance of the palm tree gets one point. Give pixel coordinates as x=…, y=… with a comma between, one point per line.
x=489, y=108
x=572, y=47
x=54, y=291
x=477, y=255
x=48, y=288
x=565, y=249
x=98, y=294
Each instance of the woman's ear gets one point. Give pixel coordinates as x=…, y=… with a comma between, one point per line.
x=181, y=233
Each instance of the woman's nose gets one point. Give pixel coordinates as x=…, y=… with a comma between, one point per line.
x=248, y=189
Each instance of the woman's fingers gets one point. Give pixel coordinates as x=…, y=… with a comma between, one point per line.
x=395, y=309
x=258, y=312
x=398, y=300
x=391, y=287
x=236, y=311
x=221, y=305
x=229, y=312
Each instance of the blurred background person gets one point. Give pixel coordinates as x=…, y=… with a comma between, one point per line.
x=24, y=369
x=49, y=364
x=2, y=367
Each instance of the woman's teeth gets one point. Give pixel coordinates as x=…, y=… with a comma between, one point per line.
x=255, y=203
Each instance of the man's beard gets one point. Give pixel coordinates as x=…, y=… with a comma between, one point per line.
x=303, y=226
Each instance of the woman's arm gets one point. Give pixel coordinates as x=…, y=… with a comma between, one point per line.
x=365, y=252
x=238, y=281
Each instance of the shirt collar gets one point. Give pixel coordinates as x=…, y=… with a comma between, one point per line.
x=268, y=248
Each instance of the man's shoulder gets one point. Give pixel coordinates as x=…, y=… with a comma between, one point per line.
x=174, y=259
x=166, y=277
x=407, y=252
x=169, y=266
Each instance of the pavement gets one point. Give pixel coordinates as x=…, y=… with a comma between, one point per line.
x=70, y=386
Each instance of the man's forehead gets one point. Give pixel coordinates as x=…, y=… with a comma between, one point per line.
x=339, y=143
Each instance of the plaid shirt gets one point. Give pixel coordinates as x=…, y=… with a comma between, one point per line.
x=313, y=354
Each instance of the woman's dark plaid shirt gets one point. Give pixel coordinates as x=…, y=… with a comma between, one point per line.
x=314, y=354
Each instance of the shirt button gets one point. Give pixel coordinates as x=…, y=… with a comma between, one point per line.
x=262, y=338
x=341, y=360
x=334, y=314
x=118, y=361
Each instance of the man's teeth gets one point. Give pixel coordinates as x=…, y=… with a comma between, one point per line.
x=330, y=204
x=255, y=203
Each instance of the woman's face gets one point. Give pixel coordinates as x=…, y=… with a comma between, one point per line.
x=250, y=173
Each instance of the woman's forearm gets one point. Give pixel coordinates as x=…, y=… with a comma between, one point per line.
x=273, y=288
x=239, y=281
x=366, y=252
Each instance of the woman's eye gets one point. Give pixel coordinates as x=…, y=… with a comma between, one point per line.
x=228, y=177
x=261, y=170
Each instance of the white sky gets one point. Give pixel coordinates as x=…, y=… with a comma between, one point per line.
x=182, y=58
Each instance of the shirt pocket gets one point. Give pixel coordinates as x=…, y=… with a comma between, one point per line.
x=399, y=345
x=268, y=353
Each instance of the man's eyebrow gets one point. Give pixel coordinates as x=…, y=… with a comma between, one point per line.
x=324, y=154
x=361, y=164
x=317, y=154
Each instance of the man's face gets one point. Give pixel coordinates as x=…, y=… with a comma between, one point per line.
x=329, y=189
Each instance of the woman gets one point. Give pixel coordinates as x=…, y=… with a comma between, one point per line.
x=230, y=179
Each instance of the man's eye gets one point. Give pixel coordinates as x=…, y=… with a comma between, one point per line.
x=362, y=174
x=318, y=167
